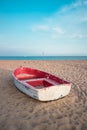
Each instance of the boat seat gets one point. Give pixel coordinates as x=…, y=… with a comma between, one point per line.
x=29, y=82
x=24, y=77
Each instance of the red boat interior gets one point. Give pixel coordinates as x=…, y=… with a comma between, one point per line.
x=36, y=78
x=39, y=83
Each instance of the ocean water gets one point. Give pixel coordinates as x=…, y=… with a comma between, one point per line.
x=43, y=57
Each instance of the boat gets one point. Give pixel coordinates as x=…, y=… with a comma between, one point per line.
x=40, y=85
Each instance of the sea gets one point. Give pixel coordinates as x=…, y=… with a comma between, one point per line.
x=43, y=57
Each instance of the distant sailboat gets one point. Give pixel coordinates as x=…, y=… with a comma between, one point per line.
x=43, y=53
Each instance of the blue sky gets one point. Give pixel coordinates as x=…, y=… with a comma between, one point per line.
x=34, y=27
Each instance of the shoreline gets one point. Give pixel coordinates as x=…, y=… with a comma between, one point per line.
x=19, y=111
x=43, y=58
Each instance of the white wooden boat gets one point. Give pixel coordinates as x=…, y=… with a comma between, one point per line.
x=40, y=85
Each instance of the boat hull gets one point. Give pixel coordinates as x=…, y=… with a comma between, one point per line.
x=45, y=94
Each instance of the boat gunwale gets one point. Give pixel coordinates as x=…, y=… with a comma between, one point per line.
x=34, y=88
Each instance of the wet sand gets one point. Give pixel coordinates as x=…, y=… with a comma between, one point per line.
x=20, y=112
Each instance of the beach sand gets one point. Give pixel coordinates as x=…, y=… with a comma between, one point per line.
x=20, y=112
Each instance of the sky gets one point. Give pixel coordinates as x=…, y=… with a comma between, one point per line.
x=43, y=27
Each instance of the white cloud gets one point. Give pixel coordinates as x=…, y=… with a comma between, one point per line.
x=76, y=36
x=69, y=7
x=73, y=5
x=69, y=36
x=79, y=36
x=67, y=23
x=85, y=2
x=54, y=30
x=84, y=19
x=58, y=30
x=40, y=28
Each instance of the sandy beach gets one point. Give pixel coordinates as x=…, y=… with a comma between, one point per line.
x=21, y=112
